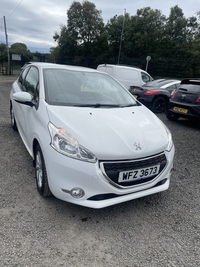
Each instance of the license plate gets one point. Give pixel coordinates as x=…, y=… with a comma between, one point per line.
x=182, y=110
x=135, y=96
x=138, y=174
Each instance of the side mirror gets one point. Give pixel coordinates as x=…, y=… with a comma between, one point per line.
x=23, y=98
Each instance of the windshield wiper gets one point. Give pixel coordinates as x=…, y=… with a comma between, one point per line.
x=98, y=105
x=128, y=105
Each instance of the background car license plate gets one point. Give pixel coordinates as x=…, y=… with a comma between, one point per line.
x=138, y=174
x=182, y=110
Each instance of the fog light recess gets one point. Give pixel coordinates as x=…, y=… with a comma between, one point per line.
x=77, y=192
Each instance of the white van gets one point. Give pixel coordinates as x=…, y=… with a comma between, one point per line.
x=127, y=76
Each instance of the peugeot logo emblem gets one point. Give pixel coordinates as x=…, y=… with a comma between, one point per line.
x=137, y=145
x=183, y=98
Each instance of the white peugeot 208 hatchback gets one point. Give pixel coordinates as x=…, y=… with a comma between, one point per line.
x=92, y=143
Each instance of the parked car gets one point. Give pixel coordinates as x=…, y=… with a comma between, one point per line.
x=92, y=143
x=185, y=102
x=155, y=95
x=126, y=75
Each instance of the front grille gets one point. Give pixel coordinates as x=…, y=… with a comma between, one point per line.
x=112, y=169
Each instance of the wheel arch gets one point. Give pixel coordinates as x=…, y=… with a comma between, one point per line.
x=35, y=143
x=11, y=104
x=161, y=95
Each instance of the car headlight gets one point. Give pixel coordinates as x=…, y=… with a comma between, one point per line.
x=170, y=141
x=68, y=145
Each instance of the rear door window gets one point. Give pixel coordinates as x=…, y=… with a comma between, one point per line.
x=193, y=88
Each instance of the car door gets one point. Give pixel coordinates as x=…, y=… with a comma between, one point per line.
x=30, y=85
x=18, y=108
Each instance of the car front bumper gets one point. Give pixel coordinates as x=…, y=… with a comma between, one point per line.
x=65, y=174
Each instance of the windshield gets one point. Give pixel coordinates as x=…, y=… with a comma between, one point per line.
x=84, y=88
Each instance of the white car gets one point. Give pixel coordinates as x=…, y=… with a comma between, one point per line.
x=92, y=143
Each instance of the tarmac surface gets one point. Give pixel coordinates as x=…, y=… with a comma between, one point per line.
x=162, y=230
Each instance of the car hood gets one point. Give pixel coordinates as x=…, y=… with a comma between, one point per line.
x=113, y=133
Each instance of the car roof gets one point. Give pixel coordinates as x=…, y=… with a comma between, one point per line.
x=120, y=66
x=46, y=65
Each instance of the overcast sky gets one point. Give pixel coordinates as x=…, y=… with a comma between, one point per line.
x=34, y=22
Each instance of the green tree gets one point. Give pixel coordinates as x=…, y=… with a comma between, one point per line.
x=173, y=42
x=20, y=48
x=193, y=67
x=142, y=34
x=3, y=52
x=84, y=22
x=115, y=27
x=67, y=48
x=179, y=36
x=180, y=32
x=51, y=57
x=83, y=30
x=146, y=31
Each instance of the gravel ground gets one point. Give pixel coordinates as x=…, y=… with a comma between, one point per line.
x=162, y=230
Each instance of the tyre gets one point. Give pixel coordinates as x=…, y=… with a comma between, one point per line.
x=172, y=117
x=12, y=119
x=159, y=105
x=41, y=174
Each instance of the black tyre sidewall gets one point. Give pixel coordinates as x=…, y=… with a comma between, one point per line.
x=156, y=101
x=172, y=117
x=13, y=124
x=44, y=189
